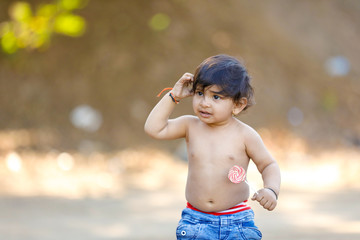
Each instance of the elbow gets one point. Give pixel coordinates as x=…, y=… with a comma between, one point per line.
x=150, y=131
x=147, y=129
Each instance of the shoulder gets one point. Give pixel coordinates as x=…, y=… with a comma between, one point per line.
x=187, y=120
x=248, y=132
x=254, y=145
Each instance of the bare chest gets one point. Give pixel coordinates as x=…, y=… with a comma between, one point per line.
x=217, y=149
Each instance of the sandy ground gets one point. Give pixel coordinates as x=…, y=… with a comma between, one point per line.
x=140, y=195
x=154, y=215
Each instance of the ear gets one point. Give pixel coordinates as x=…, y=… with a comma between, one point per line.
x=239, y=107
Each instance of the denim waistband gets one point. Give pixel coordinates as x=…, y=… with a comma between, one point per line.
x=237, y=208
x=201, y=217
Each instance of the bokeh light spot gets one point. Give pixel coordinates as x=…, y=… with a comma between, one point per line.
x=47, y=10
x=20, y=11
x=70, y=25
x=65, y=161
x=295, y=116
x=337, y=66
x=72, y=4
x=13, y=162
x=26, y=29
x=8, y=42
x=159, y=22
x=86, y=118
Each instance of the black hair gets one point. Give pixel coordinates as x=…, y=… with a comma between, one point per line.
x=229, y=74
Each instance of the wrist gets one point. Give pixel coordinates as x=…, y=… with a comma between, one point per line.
x=272, y=190
x=175, y=94
x=173, y=98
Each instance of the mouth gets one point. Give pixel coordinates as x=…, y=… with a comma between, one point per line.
x=204, y=114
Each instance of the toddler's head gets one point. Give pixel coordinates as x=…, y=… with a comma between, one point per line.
x=227, y=73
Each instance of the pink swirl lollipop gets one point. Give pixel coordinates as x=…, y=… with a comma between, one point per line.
x=237, y=174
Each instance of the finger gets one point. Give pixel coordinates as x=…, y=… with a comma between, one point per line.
x=254, y=197
x=259, y=198
x=267, y=205
x=263, y=202
x=185, y=79
x=272, y=207
x=188, y=76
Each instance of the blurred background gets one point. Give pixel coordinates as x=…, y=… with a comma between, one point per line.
x=79, y=77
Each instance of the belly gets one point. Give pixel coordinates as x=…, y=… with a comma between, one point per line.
x=212, y=191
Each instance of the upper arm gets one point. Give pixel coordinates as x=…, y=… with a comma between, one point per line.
x=175, y=128
x=256, y=150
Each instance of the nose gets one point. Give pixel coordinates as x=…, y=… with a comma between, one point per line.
x=205, y=102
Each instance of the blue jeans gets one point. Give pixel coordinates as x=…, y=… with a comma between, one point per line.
x=198, y=225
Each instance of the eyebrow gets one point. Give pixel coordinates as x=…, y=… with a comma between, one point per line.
x=218, y=93
x=199, y=88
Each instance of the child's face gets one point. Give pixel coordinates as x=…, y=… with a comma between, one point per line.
x=211, y=107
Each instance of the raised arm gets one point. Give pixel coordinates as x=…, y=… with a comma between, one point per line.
x=158, y=125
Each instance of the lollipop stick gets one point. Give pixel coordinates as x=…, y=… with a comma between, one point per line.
x=251, y=187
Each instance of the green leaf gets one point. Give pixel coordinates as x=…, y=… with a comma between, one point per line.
x=9, y=42
x=70, y=25
x=159, y=22
x=72, y=4
x=20, y=11
x=47, y=10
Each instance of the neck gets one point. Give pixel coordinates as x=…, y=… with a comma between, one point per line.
x=221, y=125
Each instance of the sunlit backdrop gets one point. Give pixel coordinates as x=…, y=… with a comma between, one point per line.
x=79, y=77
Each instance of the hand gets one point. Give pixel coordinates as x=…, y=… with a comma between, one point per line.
x=183, y=87
x=266, y=198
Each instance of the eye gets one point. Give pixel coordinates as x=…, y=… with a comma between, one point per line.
x=216, y=97
x=199, y=93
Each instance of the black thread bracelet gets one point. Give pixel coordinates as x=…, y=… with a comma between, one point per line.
x=173, y=98
x=273, y=192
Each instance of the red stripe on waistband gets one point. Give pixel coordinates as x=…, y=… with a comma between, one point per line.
x=237, y=208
